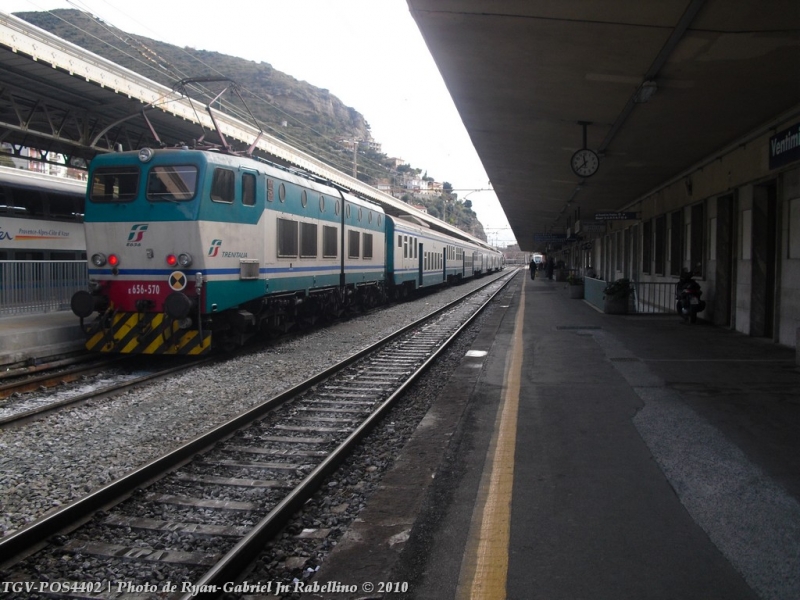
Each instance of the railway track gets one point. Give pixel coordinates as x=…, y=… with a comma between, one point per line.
x=229, y=491
x=18, y=404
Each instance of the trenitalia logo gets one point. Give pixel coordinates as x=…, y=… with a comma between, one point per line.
x=136, y=234
x=213, y=250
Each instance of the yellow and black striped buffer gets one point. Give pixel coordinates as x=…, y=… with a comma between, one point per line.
x=148, y=333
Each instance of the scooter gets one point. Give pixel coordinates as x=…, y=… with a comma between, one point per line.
x=687, y=294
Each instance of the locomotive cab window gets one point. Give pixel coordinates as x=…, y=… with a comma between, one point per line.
x=114, y=184
x=175, y=183
x=223, y=185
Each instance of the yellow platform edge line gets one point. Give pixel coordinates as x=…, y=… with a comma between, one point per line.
x=484, y=569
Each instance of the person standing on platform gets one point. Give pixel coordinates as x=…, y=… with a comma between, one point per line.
x=550, y=266
x=532, y=267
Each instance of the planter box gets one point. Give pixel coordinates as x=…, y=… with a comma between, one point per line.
x=576, y=292
x=615, y=306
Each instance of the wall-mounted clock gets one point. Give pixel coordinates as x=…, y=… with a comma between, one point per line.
x=585, y=163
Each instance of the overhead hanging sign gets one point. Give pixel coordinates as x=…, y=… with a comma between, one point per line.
x=784, y=147
x=549, y=238
x=615, y=216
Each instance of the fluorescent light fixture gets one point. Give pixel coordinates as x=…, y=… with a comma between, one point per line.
x=645, y=92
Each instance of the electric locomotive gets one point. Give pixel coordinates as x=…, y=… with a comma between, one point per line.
x=188, y=248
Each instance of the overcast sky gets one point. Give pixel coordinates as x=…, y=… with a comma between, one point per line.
x=368, y=53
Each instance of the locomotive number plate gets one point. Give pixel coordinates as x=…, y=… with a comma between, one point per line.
x=145, y=288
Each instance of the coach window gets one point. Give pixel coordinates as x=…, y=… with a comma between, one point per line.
x=330, y=242
x=367, y=245
x=270, y=190
x=303, y=198
x=399, y=241
x=287, y=238
x=223, y=185
x=353, y=246
x=308, y=240
x=379, y=219
x=322, y=203
x=369, y=217
x=61, y=206
x=248, y=189
x=360, y=214
x=337, y=208
x=347, y=210
x=282, y=193
x=114, y=184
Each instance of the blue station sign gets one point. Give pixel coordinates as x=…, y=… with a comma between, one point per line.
x=784, y=147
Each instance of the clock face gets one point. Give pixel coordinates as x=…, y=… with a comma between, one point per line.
x=585, y=162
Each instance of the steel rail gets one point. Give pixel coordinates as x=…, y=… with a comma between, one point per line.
x=20, y=417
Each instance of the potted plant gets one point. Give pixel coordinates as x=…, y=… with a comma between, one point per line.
x=615, y=297
x=575, y=286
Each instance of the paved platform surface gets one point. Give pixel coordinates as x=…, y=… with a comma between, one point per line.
x=590, y=456
x=28, y=337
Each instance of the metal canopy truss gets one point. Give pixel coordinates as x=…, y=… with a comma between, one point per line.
x=61, y=98
x=666, y=86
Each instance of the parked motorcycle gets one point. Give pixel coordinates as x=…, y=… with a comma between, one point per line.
x=687, y=295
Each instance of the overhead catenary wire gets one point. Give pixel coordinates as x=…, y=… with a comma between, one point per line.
x=149, y=59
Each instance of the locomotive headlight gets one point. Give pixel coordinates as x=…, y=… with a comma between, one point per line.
x=99, y=260
x=185, y=260
x=145, y=154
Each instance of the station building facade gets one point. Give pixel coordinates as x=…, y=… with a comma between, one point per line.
x=733, y=219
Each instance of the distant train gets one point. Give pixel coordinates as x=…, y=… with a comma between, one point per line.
x=40, y=216
x=191, y=249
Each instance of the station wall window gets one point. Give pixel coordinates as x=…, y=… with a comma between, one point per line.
x=308, y=240
x=223, y=185
x=367, y=245
x=697, y=239
x=330, y=242
x=248, y=189
x=353, y=244
x=287, y=238
x=660, y=244
x=675, y=242
x=647, y=247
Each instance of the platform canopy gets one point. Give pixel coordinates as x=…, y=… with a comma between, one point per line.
x=659, y=86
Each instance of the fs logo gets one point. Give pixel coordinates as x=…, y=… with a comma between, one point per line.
x=213, y=250
x=136, y=234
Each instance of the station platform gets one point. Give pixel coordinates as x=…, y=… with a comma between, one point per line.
x=578, y=455
x=27, y=338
